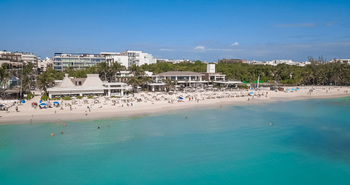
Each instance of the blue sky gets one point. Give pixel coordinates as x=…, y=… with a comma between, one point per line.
x=183, y=29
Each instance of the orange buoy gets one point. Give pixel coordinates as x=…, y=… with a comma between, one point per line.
x=52, y=134
x=64, y=125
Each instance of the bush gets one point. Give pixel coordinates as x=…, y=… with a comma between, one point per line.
x=29, y=96
x=90, y=96
x=79, y=97
x=44, y=97
x=243, y=86
x=67, y=98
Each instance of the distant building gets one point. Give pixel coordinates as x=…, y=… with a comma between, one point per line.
x=44, y=64
x=343, y=61
x=62, y=61
x=173, y=61
x=138, y=58
x=17, y=59
x=230, y=61
x=277, y=62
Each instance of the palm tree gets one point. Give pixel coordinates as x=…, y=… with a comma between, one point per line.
x=103, y=69
x=136, y=70
x=134, y=82
x=3, y=74
x=116, y=68
x=28, y=77
x=144, y=80
x=47, y=78
x=169, y=84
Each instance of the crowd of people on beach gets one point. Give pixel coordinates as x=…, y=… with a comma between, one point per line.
x=144, y=101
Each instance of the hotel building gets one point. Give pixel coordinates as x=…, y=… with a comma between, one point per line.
x=62, y=61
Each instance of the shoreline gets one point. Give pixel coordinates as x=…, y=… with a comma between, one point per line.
x=106, y=110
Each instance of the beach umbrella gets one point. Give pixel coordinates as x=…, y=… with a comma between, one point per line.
x=287, y=89
x=293, y=89
x=56, y=102
x=181, y=98
x=42, y=103
x=23, y=101
x=251, y=93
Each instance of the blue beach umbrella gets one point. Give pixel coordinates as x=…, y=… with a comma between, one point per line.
x=298, y=88
x=293, y=89
x=23, y=101
x=287, y=89
x=42, y=103
x=56, y=102
x=181, y=98
x=251, y=93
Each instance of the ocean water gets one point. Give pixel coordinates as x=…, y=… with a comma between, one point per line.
x=308, y=143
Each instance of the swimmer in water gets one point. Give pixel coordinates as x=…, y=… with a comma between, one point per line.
x=186, y=117
x=62, y=132
x=98, y=127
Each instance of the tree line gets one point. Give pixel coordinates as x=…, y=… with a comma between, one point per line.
x=316, y=73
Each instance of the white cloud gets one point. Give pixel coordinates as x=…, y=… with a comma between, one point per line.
x=199, y=48
x=235, y=44
x=328, y=24
x=301, y=25
x=202, y=48
x=164, y=49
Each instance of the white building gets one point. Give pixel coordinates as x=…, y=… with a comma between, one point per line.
x=112, y=57
x=138, y=58
x=343, y=61
x=44, y=64
x=18, y=57
x=92, y=85
x=174, y=61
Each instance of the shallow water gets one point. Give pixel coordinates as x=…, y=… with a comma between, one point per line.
x=308, y=143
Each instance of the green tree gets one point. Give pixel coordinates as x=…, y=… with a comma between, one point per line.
x=103, y=70
x=47, y=78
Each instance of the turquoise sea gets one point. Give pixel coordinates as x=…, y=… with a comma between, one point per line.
x=308, y=143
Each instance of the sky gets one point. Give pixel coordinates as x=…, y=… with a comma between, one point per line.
x=205, y=30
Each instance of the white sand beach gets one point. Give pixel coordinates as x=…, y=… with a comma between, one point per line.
x=155, y=103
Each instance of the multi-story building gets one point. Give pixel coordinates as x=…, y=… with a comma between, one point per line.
x=212, y=76
x=17, y=59
x=138, y=58
x=62, y=61
x=44, y=64
x=112, y=57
